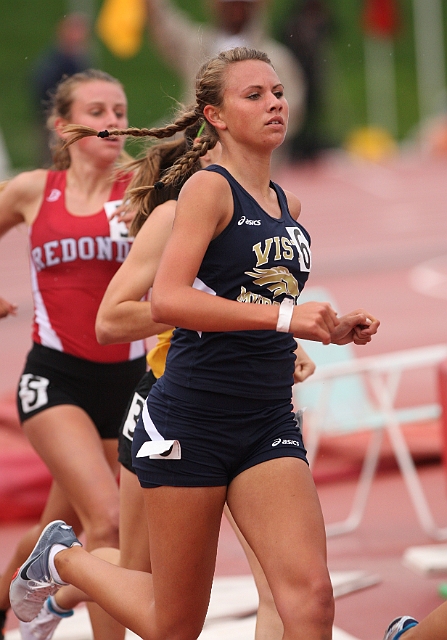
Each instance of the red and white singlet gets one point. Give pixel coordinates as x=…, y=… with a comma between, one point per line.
x=73, y=258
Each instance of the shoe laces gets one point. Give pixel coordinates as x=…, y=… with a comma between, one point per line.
x=39, y=588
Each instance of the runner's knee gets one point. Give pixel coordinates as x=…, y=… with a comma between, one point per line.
x=102, y=528
x=311, y=601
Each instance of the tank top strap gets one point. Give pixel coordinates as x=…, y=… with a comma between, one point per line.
x=235, y=185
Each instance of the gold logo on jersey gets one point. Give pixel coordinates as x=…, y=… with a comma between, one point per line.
x=279, y=280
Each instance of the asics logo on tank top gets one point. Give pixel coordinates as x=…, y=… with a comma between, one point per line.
x=244, y=220
x=54, y=195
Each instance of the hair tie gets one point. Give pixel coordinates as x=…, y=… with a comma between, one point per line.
x=159, y=185
x=200, y=131
x=103, y=134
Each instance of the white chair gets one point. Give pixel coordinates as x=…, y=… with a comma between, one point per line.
x=347, y=394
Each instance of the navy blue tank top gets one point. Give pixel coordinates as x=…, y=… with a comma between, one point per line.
x=256, y=259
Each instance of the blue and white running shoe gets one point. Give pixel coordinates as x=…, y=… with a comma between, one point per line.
x=44, y=624
x=398, y=626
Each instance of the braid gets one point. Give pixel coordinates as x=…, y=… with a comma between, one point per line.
x=77, y=132
x=144, y=192
x=189, y=159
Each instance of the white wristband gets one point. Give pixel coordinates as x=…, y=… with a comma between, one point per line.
x=285, y=315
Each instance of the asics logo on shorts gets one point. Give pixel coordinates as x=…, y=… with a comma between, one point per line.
x=33, y=392
x=244, y=220
x=278, y=441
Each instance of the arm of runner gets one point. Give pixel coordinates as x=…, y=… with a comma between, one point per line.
x=125, y=314
x=124, y=214
x=304, y=366
x=7, y=308
x=294, y=204
x=357, y=326
x=20, y=199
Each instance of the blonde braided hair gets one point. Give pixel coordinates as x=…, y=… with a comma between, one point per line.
x=150, y=168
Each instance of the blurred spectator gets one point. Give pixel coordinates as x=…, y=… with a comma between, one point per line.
x=304, y=33
x=68, y=55
x=185, y=44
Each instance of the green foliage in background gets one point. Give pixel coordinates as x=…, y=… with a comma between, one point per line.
x=27, y=27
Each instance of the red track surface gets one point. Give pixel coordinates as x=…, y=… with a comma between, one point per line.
x=379, y=240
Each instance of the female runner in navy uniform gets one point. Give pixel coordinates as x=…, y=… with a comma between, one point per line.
x=124, y=314
x=218, y=425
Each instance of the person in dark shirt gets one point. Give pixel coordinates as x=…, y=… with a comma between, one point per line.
x=68, y=55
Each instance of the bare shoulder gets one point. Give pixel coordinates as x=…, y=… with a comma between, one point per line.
x=164, y=213
x=160, y=220
x=294, y=204
x=207, y=183
x=25, y=189
x=28, y=184
x=207, y=197
x=21, y=198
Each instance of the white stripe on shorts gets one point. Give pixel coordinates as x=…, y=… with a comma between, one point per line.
x=157, y=446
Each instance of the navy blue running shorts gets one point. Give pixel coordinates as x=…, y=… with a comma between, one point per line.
x=51, y=378
x=133, y=412
x=208, y=440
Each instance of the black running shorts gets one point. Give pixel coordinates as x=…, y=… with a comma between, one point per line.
x=51, y=378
